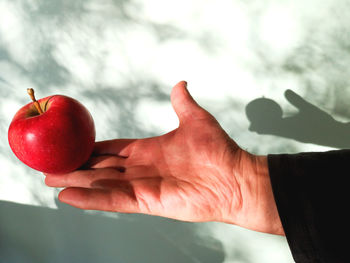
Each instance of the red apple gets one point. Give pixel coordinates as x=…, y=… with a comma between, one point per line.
x=59, y=140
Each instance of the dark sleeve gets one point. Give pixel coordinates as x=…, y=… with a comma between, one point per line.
x=311, y=191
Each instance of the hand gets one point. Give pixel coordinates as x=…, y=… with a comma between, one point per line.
x=194, y=173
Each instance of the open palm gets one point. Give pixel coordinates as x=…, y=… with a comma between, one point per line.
x=193, y=173
x=186, y=174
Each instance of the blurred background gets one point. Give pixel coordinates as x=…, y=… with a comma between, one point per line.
x=275, y=73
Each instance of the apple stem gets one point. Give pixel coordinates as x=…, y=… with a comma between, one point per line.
x=36, y=104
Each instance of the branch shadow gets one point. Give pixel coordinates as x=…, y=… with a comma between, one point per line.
x=119, y=104
x=310, y=125
x=38, y=234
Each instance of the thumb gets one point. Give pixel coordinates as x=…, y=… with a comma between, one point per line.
x=185, y=106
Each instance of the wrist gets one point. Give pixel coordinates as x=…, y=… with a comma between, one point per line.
x=268, y=219
x=258, y=210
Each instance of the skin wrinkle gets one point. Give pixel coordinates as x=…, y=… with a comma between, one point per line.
x=212, y=210
x=181, y=189
x=226, y=183
x=154, y=197
x=89, y=200
x=195, y=187
x=258, y=183
x=229, y=197
x=207, y=188
x=114, y=199
x=167, y=169
x=232, y=186
x=198, y=190
x=162, y=182
x=142, y=204
x=236, y=175
x=219, y=186
x=258, y=189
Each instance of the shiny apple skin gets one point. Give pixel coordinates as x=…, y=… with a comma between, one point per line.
x=58, y=141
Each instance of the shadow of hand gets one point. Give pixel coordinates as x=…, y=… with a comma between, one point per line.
x=309, y=125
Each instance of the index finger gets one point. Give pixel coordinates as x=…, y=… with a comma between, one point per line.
x=120, y=147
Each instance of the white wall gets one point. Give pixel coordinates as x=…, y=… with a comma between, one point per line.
x=120, y=58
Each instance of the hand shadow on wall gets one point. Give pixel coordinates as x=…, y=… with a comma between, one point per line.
x=309, y=125
x=37, y=234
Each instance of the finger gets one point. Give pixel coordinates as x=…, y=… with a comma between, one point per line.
x=100, y=199
x=185, y=106
x=83, y=178
x=121, y=147
x=106, y=161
